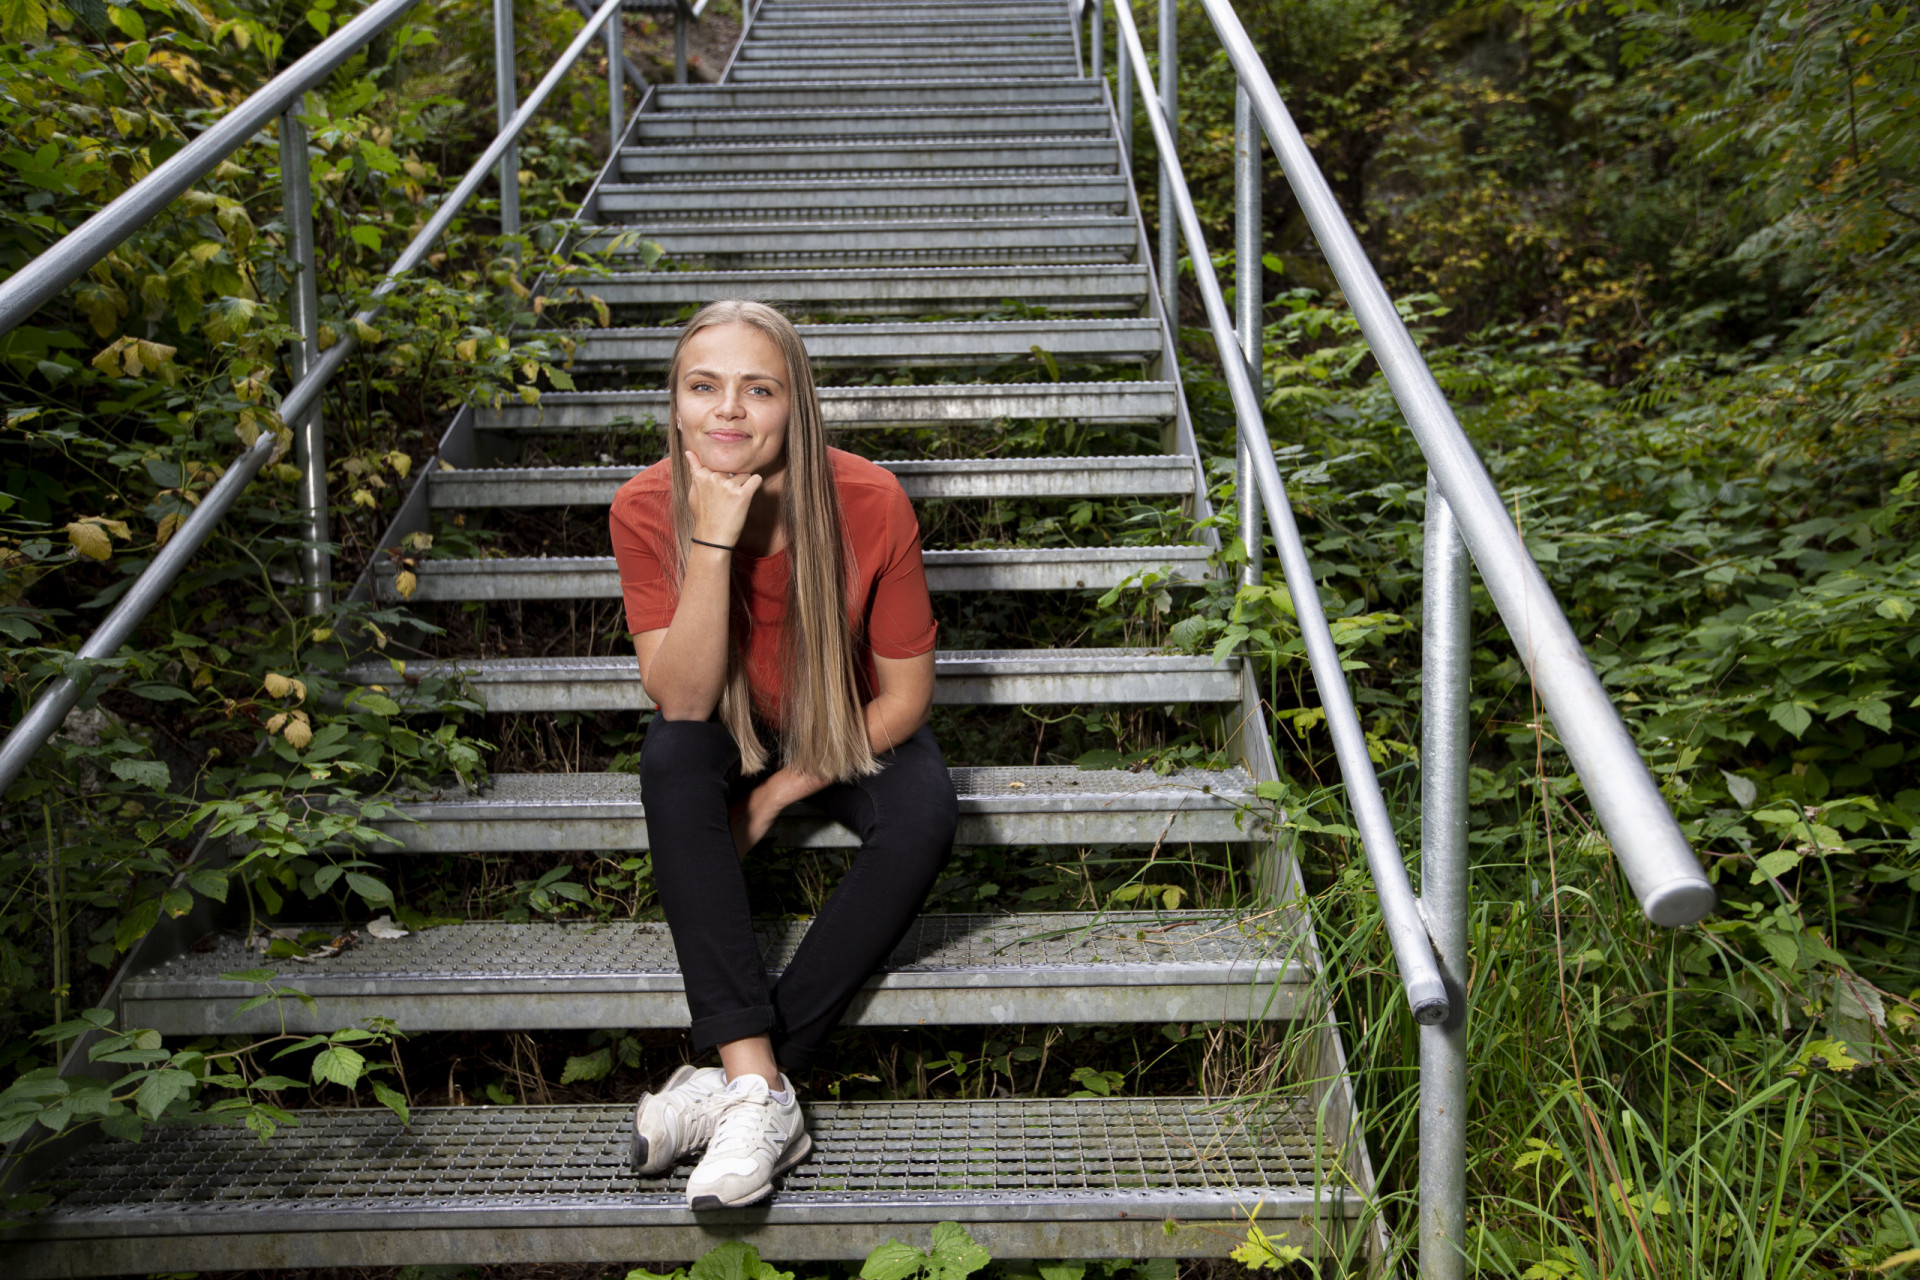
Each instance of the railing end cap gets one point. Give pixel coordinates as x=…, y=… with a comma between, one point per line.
x=1679, y=902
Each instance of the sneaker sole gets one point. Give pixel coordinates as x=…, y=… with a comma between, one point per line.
x=638, y=1150
x=800, y=1151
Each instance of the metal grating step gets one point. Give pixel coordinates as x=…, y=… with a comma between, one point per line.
x=1026, y=157
x=982, y=31
x=866, y=199
x=949, y=93
x=829, y=10
x=944, y=47
x=1102, y=1177
x=891, y=345
x=874, y=291
x=963, y=677
x=860, y=408
x=865, y=122
x=999, y=569
x=1055, y=967
x=1127, y=476
x=992, y=66
x=883, y=241
x=572, y=812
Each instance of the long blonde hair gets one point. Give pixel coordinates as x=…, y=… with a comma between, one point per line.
x=823, y=730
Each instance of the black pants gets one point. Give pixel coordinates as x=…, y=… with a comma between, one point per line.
x=904, y=816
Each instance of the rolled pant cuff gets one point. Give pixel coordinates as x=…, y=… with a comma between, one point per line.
x=735, y=1024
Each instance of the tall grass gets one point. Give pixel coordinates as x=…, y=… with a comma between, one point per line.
x=1643, y=1103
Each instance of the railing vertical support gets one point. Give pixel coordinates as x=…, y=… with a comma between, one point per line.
x=1170, y=105
x=309, y=435
x=680, y=43
x=1249, y=308
x=505, y=101
x=1444, y=688
x=616, y=81
x=1125, y=105
x=1098, y=61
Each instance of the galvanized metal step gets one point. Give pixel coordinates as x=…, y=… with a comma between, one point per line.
x=1001, y=569
x=866, y=199
x=963, y=677
x=1029, y=1178
x=985, y=32
x=972, y=91
x=1086, y=477
x=992, y=65
x=882, y=241
x=861, y=408
x=829, y=12
x=955, y=158
x=936, y=121
x=1123, y=966
x=1045, y=805
x=874, y=291
x=892, y=345
x=827, y=50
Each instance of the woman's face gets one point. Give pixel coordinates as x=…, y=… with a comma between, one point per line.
x=734, y=399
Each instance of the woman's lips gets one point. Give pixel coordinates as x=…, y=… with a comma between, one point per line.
x=728, y=437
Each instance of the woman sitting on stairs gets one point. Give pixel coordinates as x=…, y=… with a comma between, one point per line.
x=778, y=603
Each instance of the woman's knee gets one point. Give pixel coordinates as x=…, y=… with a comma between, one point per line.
x=679, y=753
x=915, y=794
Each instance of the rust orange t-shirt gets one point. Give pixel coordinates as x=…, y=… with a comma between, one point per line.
x=887, y=599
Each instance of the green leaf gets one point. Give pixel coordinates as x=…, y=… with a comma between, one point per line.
x=735, y=1260
x=592, y=1066
x=393, y=1100
x=893, y=1261
x=370, y=889
x=209, y=883
x=251, y=975
x=23, y=20
x=128, y=21
x=160, y=1089
x=148, y=773
x=1775, y=864
x=339, y=1065
x=368, y=237
x=1791, y=716
x=955, y=1255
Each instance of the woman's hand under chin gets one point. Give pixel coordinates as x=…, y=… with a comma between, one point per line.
x=719, y=502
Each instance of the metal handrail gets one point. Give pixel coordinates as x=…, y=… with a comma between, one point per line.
x=1413, y=951
x=50, y=709
x=1464, y=518
x=1645, y=836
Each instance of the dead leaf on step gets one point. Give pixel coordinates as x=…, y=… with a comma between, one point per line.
x=384, y=927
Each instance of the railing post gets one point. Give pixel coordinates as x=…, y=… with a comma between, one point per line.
x=1248, y=304
x=309, y=436
x=616, y=81
x=505, y=91
x=1125, y=104
x=680, y=43
x=1097, y=62
x=1444, y=688
x=1170, y=105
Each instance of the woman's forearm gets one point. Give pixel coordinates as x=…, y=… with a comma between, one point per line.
x=892, y=718
x=688, y=670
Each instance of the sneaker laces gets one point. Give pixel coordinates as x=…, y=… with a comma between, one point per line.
x=740, y=1123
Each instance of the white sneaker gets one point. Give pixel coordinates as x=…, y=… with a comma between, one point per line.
x=678, y=1119
x=755, y=1139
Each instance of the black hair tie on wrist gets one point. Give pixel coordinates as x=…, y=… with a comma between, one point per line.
x=717, y=545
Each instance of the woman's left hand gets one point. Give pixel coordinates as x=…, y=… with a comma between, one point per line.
x=753, y=817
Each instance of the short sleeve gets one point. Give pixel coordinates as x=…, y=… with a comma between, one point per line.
x=900, y=620
x=637, y=526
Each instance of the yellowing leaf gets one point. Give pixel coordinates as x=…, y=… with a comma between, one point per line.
x=89, y=539
x=400, y=461
x=298, y=731
x=364, y=498
x=367, y=334
x=468, y=350
x=405, y=582
x=274, y=722
x=168, y=526
x=277, y=685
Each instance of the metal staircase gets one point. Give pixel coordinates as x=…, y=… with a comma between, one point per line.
x=879, y=169
x=944, y=199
